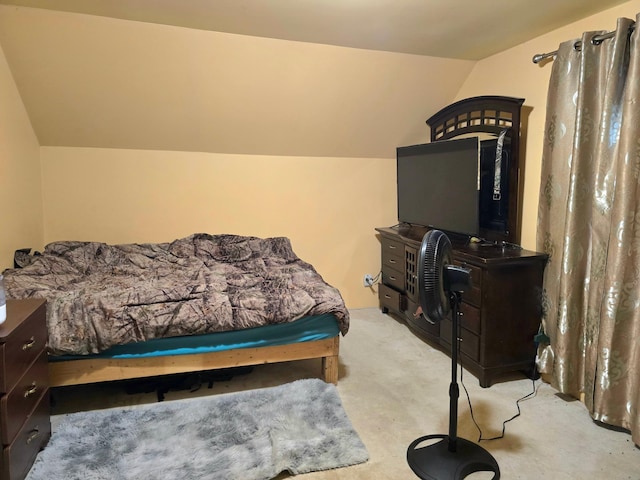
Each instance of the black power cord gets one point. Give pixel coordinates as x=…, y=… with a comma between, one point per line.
x=504, y=424
x=530, y=395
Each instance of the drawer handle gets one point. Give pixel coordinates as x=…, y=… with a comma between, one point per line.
x=29, y=344
x=391, y=260
x=392, y=247
x=392, y=278
x=387, y=295
x=31, y=390
x=34, y=434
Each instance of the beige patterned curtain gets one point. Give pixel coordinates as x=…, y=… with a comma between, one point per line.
x=589, y=224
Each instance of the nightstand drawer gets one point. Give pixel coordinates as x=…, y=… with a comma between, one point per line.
x=21, y=347
x=16, y=406
x=18, y=457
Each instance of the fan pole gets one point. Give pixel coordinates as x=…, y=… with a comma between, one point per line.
x=447, y=457
x=454, y=390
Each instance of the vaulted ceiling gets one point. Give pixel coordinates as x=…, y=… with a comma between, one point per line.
x=463, y=29
x=215, y=75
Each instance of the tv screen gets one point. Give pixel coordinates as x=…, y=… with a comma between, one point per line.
x=438, y=185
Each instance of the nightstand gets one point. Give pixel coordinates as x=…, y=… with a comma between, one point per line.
x=25, y=426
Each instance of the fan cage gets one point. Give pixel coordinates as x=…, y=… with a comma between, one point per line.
x=435, y=255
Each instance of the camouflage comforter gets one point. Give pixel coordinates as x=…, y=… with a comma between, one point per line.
x=101, y=295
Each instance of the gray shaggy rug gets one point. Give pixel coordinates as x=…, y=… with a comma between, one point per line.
x=299, y=427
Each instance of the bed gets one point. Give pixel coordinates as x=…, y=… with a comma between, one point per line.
x=202, y=302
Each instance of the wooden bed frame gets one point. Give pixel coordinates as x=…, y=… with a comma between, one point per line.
x=92, y=370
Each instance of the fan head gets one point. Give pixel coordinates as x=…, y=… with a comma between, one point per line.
x=435, y=255
x=438, y=278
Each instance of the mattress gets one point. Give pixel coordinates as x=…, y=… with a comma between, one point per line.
x=99, y=295
x=306, y=329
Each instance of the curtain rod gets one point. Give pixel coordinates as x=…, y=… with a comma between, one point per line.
x=596, y=40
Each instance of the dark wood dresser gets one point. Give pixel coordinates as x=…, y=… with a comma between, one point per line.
x=25, y=426
x=500, y=315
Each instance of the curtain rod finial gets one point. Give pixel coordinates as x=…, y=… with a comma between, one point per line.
x=541, y=56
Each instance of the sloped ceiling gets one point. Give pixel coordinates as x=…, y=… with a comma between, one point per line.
x=463, y=29
x=216, y=75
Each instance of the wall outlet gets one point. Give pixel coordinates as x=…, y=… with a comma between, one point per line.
x=368, y=280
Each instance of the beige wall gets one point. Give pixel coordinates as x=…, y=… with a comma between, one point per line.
x=328, y=207
x=91, y=81
x=20, y=184
x=328, y=204
x=301, y=137
x=512, y=73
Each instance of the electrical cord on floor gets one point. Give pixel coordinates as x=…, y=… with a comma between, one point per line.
x=504, y=424
x=521, y=399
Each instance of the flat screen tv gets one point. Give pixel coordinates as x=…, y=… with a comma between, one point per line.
x=438, y=185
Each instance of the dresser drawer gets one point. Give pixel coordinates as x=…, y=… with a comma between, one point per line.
x=393, y=278
x=421, y=323
x=469, y=342
x=474, y=271
x=18, y=457
x=396, y=262
x=470, y=318
x=16, y=406
x=473, y=296
x=470, y=345
x=22, y=347
x=392, y=247
x=390, y=298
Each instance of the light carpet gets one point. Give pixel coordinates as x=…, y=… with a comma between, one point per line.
x=298, y=427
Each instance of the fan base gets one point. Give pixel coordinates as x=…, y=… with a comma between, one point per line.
x=436, y=462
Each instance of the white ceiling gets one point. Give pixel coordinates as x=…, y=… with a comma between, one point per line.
x=462, y=29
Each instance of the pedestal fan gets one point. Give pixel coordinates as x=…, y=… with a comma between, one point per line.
x=440, y=284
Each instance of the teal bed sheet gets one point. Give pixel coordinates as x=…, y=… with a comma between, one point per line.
x=306, y=329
